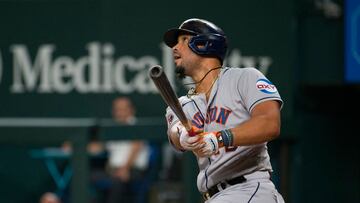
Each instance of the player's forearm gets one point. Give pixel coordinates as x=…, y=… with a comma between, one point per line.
x=256, y=130
x=263, y=126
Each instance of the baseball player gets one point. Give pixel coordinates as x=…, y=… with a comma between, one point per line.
x=234, y=111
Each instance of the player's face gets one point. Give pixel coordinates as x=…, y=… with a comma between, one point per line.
x=185, y=59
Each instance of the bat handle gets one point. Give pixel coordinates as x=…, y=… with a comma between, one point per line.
x=191, y=132
x=190, y=129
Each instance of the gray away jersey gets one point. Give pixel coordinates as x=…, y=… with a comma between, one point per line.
x=236, y=92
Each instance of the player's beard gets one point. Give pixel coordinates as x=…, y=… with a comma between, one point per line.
x=180, y=72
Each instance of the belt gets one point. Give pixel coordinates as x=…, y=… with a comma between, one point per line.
x=215, y=189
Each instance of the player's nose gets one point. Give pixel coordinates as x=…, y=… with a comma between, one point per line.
x=175, y=47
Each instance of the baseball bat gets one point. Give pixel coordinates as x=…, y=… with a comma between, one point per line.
x=168, y=94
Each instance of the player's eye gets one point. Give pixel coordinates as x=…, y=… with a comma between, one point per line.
x=185, y=38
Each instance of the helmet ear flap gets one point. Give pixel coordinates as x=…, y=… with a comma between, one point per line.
x=209, y=45
x=199, y=44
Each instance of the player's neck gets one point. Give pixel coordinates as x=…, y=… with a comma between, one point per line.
x=206, y=83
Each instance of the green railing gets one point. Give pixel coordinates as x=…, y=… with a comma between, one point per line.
x=54, y=131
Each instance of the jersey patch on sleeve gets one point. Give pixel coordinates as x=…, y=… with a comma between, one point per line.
x=170, y=119
x=265, y=86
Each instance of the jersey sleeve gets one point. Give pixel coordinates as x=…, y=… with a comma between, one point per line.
x=255, y=88
x=171, y=118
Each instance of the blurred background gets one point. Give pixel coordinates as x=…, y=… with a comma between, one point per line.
x=63, y=63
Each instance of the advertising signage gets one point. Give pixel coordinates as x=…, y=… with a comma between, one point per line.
x=56, y=64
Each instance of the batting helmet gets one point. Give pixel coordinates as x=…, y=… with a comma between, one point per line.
x=211, y=38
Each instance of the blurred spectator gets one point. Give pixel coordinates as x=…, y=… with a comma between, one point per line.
x=49, y=197
x=128, y=160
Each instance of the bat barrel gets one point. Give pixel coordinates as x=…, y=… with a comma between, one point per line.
x=162, y=83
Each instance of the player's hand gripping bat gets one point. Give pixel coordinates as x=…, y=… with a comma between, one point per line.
x=168, y=94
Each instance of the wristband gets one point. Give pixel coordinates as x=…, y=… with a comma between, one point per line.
x=219, y=139
x=227, y=138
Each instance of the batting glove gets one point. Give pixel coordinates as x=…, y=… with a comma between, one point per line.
x=210, y=144
x=213, y=141
x=187, y=142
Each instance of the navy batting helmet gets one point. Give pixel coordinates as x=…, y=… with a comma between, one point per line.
x=211, y=38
